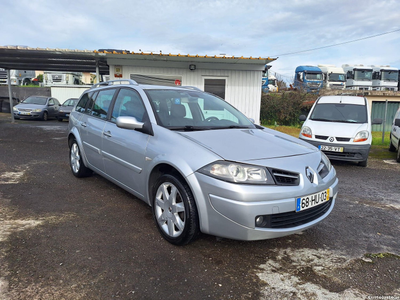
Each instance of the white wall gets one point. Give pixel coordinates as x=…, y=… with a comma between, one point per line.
x=62, y=93
x=243, y=87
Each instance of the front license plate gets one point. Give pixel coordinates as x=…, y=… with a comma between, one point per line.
x=25, y=113
x=330, y=148
x=309, y=201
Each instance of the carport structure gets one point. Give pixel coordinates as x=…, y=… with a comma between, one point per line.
x=240, y=76
x=25, y=58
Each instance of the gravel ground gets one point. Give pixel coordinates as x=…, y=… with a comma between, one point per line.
x=68, y=238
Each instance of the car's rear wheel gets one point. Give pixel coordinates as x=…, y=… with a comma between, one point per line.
x=45, y=116
x=174, y=210
x=75, y=159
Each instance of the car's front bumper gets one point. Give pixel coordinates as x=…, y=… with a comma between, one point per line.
x=63, y=115
x=31, y=115
x=351, y=152
x=230, y=210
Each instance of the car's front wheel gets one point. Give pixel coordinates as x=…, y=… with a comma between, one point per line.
x=45, y=116
x=174, y=210
x=391, y=146
x=398, y=154
x=75, y=159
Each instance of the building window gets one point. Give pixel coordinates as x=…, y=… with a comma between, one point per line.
x=215, y=86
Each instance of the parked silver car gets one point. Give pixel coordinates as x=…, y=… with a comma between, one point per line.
x=37, y=107
x=395, y=135
x=199, y=163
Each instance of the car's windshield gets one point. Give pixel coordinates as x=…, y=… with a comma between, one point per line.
x=344, y=113
x=70, y=102
x=194, y=110
x=35, y=100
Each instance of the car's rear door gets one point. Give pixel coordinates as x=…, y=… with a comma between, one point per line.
x=91, y=127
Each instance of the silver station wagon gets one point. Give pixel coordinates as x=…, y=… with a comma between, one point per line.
x=199, y=163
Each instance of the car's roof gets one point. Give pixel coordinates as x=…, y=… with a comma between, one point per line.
x=342, y=99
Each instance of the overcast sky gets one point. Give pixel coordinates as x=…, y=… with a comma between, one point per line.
x=239, y=28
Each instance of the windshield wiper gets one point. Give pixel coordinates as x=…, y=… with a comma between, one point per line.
x=187, y=128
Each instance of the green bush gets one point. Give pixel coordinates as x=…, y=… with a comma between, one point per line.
x=285, y=108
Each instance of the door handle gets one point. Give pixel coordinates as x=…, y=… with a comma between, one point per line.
x=83, y=124
x=107, y=134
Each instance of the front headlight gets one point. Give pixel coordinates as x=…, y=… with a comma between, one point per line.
x=361, y=136
x=238, y=173
x=325, y=165
x=15, y=109
x=37, y=110
x=306, y=131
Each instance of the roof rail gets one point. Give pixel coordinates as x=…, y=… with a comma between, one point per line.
x=191, y=88
x=114, y=82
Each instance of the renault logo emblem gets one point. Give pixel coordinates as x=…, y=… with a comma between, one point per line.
x=310, y=174
x=331, y=139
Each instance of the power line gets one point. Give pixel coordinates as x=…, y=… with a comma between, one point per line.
x=338, y=44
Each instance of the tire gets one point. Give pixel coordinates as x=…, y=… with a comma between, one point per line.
x=174, y=210
x=78, y=168
x=391, y=147
x=363, y=163
x=398, y=154
x=45, y=116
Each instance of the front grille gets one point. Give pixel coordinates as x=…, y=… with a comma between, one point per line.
x=285, y=178
x=25, y=109
x=340, y=154
x=293, y=219
x=342, y=139
x=321, y=137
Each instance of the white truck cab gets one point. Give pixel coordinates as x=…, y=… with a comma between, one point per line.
x=334, y=77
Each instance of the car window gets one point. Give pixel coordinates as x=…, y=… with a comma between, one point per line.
x=102, y=103
x=51, y=102
x=81, y=106
x=128, y=103
x=90, y=103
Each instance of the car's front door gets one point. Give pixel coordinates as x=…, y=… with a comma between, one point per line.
x=124, y=150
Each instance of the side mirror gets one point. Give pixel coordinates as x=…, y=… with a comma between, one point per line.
x=397, y=122
x=376, y=121
x=129, y=123
x=302, y=118
x=133, y=124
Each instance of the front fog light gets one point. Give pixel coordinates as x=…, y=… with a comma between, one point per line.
x=262, y=221
x=259, y=221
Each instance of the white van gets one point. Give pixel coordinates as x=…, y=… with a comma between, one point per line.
x=341, y=127
x=395, y=135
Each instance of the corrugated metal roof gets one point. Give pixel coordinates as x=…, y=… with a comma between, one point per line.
x=48, y=59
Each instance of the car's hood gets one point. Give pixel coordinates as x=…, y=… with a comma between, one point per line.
x=336, y=129
x=249, y=144
x=32, y=106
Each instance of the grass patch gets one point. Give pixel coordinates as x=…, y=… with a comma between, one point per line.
x=379, y=150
